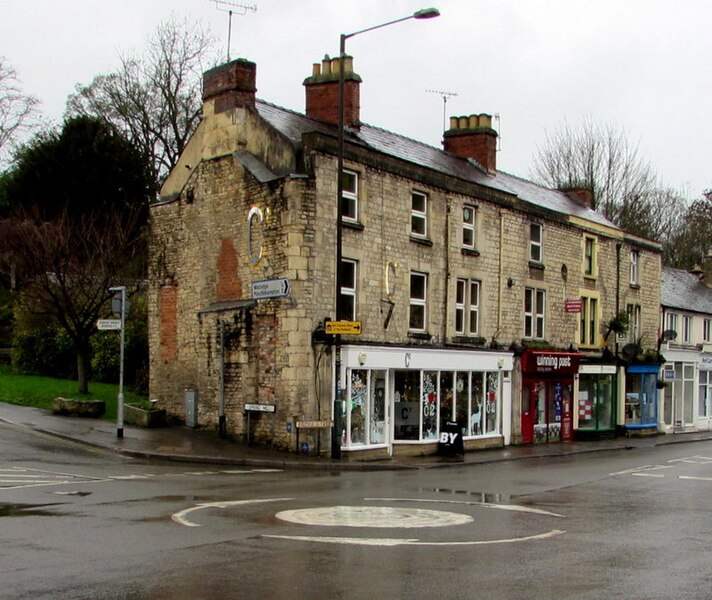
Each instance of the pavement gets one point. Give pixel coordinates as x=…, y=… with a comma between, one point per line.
x=178, y=443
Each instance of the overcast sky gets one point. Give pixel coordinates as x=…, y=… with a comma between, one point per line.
x=644, y=65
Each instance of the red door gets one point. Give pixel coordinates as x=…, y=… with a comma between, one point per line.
x=528, y=414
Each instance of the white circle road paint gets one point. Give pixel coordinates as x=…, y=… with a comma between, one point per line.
x=512, y=507
x=373, y=516
x=413, y=542
x=180, y=517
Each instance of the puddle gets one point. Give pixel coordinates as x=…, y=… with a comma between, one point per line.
x=26, y=510
x=482, y=497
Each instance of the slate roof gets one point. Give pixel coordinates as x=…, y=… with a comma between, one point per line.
x=684, y=291
x=293, y=125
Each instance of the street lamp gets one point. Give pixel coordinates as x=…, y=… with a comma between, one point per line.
x=426, y=13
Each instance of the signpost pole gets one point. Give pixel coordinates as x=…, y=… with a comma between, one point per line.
x=120, y=403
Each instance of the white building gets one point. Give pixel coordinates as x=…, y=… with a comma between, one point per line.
x=686, y=309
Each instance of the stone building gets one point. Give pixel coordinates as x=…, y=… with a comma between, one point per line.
x=474, y=301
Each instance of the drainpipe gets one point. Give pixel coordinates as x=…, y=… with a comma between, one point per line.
x=222, y=425
x=501, y=271
x=448, y=209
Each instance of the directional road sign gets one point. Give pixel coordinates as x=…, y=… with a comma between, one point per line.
x=270, y=288
x=343, y=327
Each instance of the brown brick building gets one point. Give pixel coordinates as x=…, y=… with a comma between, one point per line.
x=483, y=300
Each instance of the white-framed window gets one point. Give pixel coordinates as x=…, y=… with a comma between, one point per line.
x=536, y=242
x=686, y=329
x=349, y=199
x=418, y=301
x=634, y=262
x=467, y=307
x=419, y=214
x=588, y=335
x=347, y=301
x=672, y=322
x=534, y=308
x=707, y=331
x=590, y=259
x=634, y=331
x=469, y=224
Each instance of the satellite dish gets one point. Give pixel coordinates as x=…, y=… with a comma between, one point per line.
x=630, y=350
x=668, y=335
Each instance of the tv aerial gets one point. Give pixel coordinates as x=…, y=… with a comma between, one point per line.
x=233, y=8
x=445, y=96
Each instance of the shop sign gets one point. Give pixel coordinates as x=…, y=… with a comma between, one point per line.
x=450, y=442
x=550, y=362
x=573, y=306
x=597, y=370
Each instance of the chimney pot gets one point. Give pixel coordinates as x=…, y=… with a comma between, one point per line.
x=473, y=137
x=316, y=69
x=322, y=93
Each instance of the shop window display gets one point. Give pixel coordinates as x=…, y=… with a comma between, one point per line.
x=423, y=402
x=595, y=402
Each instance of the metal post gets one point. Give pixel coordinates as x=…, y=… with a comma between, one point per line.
x=120, y=403
x=427, y=13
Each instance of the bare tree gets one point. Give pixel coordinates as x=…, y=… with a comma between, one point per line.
x=689, y=243
x=155, y=99
x=601, y=159
x=16, y=108
x=68, y=265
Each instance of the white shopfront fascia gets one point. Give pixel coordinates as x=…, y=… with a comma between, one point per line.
x=436, y=359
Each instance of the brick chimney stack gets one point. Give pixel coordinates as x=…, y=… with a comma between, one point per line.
x=473, y=137
x=322, y=92
x=580, y=195
x=230, y=85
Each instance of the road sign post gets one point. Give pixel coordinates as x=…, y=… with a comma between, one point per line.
x=123, y=308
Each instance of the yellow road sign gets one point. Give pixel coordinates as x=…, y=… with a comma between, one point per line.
x=343, y=327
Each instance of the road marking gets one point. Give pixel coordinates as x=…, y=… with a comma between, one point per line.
x=694, y=478
x=18, y=478
x=635, y=470
x=412, y=542
x=179, y=517
x=512, y=507
x=697, y=460
x=647, y=475
x=373, y=516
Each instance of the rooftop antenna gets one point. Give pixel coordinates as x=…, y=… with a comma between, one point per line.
x=445, y=96
x=230, y=8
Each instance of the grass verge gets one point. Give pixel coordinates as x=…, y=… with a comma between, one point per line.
x=37, y=391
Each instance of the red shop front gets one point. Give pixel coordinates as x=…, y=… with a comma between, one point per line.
x=547, y=396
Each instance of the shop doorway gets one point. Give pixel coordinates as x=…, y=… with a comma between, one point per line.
x=547, y=414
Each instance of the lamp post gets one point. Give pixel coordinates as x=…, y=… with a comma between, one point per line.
x=426, y=13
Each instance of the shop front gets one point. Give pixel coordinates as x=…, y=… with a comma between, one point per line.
x=547, y=396
x=704, y=392
x=640, y=410
x=680, y=374
x=596, y=408
x=400, y=399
